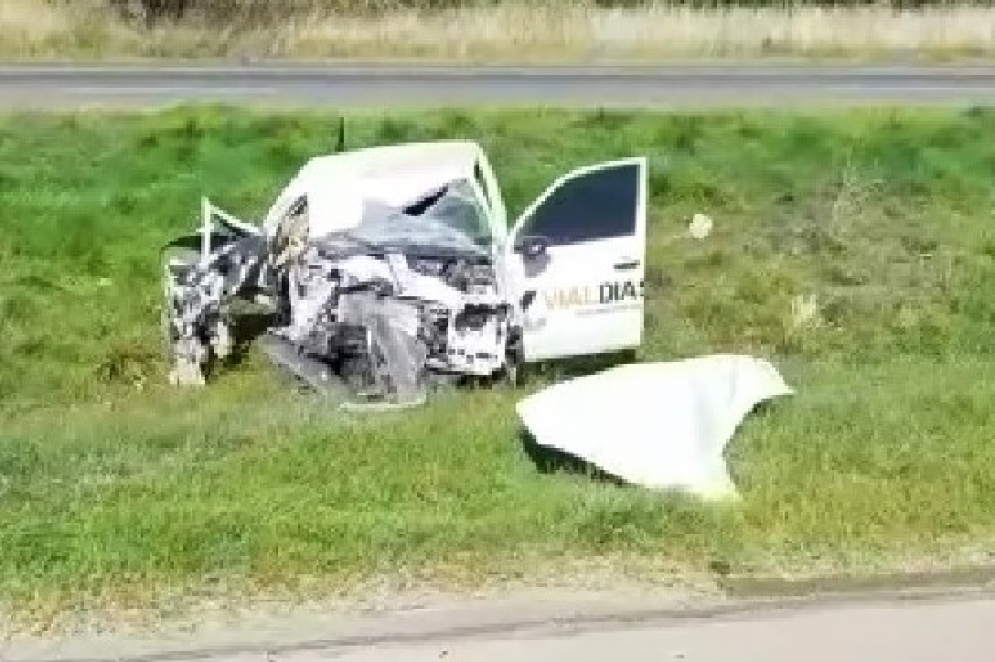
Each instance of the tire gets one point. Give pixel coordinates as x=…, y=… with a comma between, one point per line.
x=511, y=376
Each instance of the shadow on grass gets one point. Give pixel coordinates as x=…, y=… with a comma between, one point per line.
x=546, y=373
x=247, y=327
x=552, y=461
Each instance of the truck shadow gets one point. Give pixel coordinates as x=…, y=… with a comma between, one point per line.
x=578, y=366
x=247, y=328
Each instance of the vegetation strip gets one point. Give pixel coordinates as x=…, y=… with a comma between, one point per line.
x=854, y=249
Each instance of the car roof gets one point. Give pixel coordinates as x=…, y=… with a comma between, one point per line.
x=386, y=159
x=338, y=184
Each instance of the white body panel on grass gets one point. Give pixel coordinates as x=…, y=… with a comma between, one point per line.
x=657, y=425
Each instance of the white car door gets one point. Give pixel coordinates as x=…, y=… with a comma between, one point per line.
x=576, y=261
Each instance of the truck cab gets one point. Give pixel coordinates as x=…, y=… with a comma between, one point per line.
x=572, y=263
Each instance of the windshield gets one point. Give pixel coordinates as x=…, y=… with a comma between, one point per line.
x=449, y=220
x=457, y=207
x=391, y=229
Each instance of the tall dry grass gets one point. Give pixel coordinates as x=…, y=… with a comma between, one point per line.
x=513, y=31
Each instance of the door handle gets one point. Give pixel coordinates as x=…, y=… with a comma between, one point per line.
x=625, y=266
x=528, y=298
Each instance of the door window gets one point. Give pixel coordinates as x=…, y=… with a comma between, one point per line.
x=599, y=204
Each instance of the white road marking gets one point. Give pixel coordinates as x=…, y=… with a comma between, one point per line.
x=154, y=90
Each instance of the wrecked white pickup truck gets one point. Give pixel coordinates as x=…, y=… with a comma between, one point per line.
x=393, y=269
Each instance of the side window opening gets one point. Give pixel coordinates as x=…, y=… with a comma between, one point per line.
x=600, y=204
x=488, y=192
x=292, y=232
x=478, y=176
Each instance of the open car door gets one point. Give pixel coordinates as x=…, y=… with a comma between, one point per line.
x=576, y=260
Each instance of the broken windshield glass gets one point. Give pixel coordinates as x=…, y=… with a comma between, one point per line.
x=448, y=221
x=389, y=229
x=459, y=209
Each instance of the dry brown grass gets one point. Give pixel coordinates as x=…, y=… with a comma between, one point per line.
x=515, y=31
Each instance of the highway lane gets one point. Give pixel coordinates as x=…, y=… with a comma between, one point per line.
x=670, y=86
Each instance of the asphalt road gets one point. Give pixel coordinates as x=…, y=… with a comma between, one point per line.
x=934, y=633
x=922, y=629
x=427, y=86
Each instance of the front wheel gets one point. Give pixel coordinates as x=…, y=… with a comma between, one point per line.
x=511, y=375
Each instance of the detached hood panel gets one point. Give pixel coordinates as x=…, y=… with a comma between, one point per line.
x=657, y=425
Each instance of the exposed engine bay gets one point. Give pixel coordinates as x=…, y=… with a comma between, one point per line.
x=407, y=299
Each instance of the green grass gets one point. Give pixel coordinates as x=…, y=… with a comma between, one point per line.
x=113, y=486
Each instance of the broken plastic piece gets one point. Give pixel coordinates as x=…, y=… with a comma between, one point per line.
x=700, y=226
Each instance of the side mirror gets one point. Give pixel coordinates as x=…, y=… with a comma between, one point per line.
x=532, y=247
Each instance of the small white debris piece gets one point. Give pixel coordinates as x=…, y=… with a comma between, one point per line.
x=657, y=425
x=186, y=373
x=700, y=226
x=221, y=341
x=804, y=311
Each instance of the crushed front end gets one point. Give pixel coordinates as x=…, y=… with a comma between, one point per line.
x=380, y=313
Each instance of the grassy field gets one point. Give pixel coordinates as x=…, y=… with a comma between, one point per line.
x=515, y=31
x=115, y=488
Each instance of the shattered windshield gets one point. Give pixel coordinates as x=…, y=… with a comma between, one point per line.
x=449, y=220
x=458, y=208
x=389, y=228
